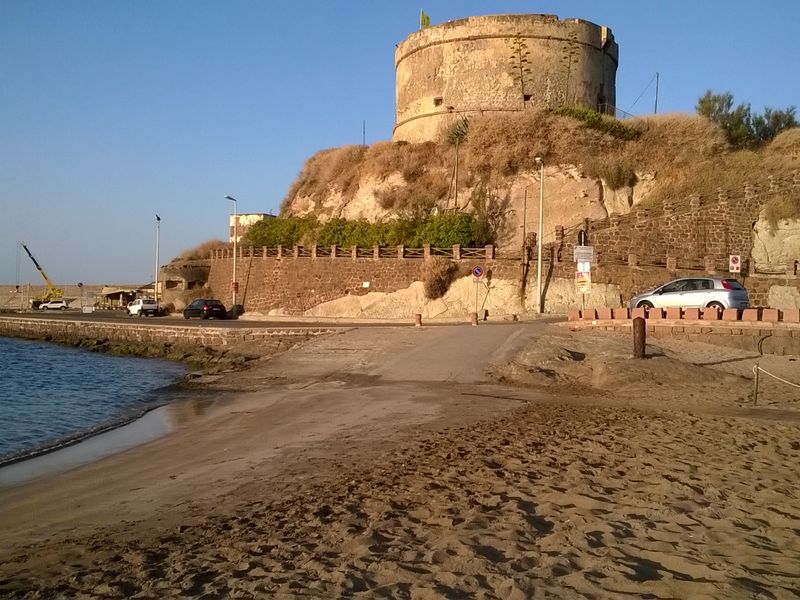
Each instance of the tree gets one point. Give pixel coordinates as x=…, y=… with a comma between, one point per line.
x=742, y=128
x=772, y=122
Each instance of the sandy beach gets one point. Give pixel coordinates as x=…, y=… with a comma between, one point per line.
x=503, y=461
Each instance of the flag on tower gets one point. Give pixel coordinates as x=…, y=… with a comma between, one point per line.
x=424, y=20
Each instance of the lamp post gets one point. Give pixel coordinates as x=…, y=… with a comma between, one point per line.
x=234, y=285
x=539, y=162
x=155, y=279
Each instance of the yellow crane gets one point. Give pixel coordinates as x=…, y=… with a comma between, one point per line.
x=52, y=293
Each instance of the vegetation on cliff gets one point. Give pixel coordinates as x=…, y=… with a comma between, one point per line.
x=443, y=230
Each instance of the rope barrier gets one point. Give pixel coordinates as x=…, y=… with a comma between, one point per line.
x=775, y=376
x=756, y=370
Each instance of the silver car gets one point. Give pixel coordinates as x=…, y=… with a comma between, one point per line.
x=694, y=292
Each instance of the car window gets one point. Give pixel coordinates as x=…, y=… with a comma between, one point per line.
x=704, y=284
x=196, y=304
x=735, y=285
x=674, y=286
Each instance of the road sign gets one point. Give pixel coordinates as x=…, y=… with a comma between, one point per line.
x=735, y=263
x=583, y=254
x=583, y=282
x=477, y=271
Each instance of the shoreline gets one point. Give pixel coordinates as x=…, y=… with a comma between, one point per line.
x=201, y=362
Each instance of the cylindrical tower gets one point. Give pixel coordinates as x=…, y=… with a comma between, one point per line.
x=500, y=63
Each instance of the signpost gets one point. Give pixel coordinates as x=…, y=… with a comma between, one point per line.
x=584, y=259
x=735, y=263
x=477, y=279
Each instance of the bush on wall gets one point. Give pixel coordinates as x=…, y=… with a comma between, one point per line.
x=281, y=232
x=437, y=230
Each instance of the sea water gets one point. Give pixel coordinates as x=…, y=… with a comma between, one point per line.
x=51, y=395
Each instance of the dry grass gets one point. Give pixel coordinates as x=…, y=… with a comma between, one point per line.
x=783, y=206
x=202, y=250
x=686, y=154
x=437, y=275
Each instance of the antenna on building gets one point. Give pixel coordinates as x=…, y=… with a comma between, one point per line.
x=364, y=132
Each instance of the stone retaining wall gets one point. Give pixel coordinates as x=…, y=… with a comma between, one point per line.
x=62, y=330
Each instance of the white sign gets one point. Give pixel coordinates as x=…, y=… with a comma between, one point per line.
x=584, y=267
x=735, y=263
x=583, y=254
x=583, y=281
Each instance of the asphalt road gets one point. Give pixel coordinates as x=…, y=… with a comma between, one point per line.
x=114, y=316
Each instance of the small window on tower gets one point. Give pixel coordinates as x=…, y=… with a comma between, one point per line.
x=438, y=101
x=527, y=97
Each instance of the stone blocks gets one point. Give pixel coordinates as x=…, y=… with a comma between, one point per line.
x=604, y=314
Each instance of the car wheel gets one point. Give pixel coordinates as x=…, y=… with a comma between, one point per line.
x=203, y=316
x=185, y=316
x=645, y=304
x=63, y=308
x=717, y=305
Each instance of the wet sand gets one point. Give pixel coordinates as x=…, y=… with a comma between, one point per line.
x=386, y=464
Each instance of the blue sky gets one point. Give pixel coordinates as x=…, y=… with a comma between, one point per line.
x=112, y=111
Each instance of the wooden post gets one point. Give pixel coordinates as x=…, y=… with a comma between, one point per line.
x=473, y=318
x=755, y=391
x=418, y=320
x=639, y=337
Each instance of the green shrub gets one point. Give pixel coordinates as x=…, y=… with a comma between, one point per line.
x=281, y=231
x=595, y=120
x=443, y=231
x=438, y=230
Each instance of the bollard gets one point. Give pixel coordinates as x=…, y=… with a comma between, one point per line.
x=418, y=320
x=473, y=318
x=639, y=337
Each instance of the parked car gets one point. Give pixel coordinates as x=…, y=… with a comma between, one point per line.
x=205, y=308
x=694, y=292
x=54, y=305
x=142, y=307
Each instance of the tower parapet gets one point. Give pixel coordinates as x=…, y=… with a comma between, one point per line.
x=500, y=63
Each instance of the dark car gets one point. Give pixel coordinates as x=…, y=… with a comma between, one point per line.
x=205, y=308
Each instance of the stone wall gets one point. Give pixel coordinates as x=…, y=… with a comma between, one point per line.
x=690, y=232
x=295, y=284
x=61, y=330
x=500, y=63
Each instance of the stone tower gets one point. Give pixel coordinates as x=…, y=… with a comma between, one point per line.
x=500, y=63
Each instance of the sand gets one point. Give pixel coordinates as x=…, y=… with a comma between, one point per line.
x=386, y=463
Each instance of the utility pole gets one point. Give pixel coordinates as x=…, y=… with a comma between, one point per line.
x=539, y=302
x=155, y=279
x=655, y=109
x=234, y=283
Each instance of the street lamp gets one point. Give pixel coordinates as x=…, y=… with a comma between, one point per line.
x=234, y=285
x=539, y=302
x=155, y=279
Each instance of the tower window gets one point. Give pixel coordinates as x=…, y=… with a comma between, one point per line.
x=438, y=101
